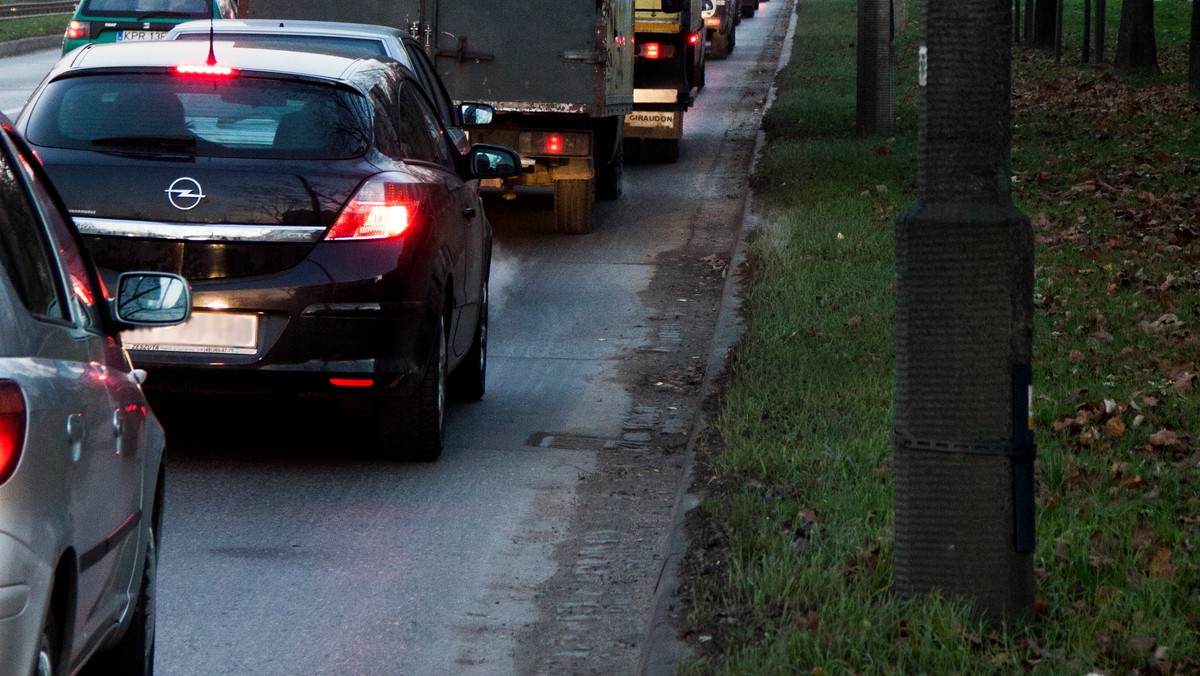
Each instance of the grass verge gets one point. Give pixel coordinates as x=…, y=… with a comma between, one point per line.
x=790, y=570
x=33, y=26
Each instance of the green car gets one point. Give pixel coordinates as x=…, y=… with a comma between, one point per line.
x=137, y=20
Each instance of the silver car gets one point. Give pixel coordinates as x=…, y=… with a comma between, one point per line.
x=80, y=450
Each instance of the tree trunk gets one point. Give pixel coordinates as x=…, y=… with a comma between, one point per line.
x=1137, y=50
x=874, y=114
x=1028, y=20
x=1087, y=31
x=964, y=452
x=1194, y=58
x=1101, y=26
x=1045, y=14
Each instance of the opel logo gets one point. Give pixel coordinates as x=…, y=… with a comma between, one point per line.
x=185, y=193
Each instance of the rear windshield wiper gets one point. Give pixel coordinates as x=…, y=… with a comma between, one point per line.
x=148, y=142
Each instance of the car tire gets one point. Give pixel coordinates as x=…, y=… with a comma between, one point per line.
x=45, y=661
x=134, y=654
x=414, y=428
x=732, y=40
x=573, y=201
x=468, y=382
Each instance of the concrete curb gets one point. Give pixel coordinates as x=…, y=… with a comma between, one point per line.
x=27, y=45
x=662, y=651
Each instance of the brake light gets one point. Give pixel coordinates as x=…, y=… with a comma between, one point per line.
x=12, y=427
x=78, y=30
x=553, y=144
x=694, y=39
x=210, y=71
x=351, y=382
x=652, y=50
x=381, y=209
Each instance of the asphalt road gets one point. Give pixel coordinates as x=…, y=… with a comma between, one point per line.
x=535, y=544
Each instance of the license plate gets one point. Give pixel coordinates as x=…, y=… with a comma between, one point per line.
x=207, y=332
x=140, y=36
x=651, y=119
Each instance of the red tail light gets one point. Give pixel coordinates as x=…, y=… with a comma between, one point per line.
x=78, y=30
x=351, y=382
x=694, y=39
x=12, y=427
x=652, y=50
x=554, y=144
x=384, y=207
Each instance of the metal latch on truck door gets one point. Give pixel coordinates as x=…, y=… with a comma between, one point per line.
x=462, y=54
x=585, y=57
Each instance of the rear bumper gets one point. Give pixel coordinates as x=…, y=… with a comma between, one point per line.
x=363, y=314
x=24, y=589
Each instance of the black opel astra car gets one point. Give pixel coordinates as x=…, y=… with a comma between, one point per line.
x=330, y=232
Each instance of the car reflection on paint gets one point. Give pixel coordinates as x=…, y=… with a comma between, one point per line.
x=80, y=451
x=335, y=246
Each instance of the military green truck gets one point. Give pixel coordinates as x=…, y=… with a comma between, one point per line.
x=559, y=74
x=668, y=69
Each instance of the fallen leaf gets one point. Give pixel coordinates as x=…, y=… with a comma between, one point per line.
x=1161, y=566
x=1170, y=439
x=854, y=321
x=1115, y=428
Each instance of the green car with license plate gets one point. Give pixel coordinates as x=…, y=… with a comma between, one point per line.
x=137, y=20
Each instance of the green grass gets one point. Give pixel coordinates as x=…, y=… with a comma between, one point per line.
x=792, y=569
x=33, y=26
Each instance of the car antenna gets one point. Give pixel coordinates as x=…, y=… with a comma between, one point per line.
x=212, y=55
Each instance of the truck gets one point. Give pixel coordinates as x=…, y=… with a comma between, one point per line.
x=721, y=25
x=558, y=73
x=668, y=70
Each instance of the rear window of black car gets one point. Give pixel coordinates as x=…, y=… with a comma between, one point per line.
x=200, y=9
x=246, y=117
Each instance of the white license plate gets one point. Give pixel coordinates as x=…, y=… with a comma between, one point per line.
x=140, y=36
x=651, y=119
x=208, y=332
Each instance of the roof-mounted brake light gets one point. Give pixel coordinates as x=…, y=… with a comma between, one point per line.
x=211, y=71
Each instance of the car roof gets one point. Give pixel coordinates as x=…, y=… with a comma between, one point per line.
x=167, y=54
x=293, y=26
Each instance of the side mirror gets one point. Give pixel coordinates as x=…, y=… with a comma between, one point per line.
x=476, y=114
x=488, y=161
x=146, y=299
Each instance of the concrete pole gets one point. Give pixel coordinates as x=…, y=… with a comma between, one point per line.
x=964, y=330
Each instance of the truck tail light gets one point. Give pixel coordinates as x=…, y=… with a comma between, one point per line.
x=78, y=30
x=694, y=39
x=385, y=207
x=12, y=427
x=561, y=143
x=712, y=22
x=656, y=50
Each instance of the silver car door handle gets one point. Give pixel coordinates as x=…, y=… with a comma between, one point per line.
x=75, y=428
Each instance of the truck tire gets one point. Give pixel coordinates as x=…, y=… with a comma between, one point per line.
x=608, y=179
x=748, y=11
x=732, y=40
x=718, y=47
x=573, y=200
